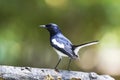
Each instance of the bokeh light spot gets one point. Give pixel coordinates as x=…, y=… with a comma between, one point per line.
x=56, y=3
x=109, y=54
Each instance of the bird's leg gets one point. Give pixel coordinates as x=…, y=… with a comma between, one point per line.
x=68, y=68
x=57, y=64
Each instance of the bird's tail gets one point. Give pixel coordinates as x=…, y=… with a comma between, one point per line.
x=76, y=48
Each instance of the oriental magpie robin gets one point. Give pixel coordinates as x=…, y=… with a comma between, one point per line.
x=62, y=45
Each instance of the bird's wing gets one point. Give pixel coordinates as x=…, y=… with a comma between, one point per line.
x=62, y=44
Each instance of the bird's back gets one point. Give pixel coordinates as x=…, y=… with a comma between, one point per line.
x=61, y=43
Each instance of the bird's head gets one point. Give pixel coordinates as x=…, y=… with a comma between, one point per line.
x=52, y=28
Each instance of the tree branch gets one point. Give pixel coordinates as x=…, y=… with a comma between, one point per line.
x=27, y=73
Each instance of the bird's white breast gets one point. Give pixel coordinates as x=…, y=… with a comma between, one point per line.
x=57, y=43
x=60, y=54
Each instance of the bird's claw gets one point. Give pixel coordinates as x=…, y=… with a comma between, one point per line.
x=56, y=70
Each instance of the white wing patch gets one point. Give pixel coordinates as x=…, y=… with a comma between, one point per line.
x=57, y=43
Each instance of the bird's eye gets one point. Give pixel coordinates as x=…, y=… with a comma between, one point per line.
x=48, y=25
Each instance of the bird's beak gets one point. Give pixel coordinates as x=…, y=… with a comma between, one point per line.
x=43, y=26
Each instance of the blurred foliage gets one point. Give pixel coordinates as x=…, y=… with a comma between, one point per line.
x=23, y=43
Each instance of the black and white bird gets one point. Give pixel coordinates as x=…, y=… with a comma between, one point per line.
x=62, y=45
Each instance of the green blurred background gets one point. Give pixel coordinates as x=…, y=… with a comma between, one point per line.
x=23, y=43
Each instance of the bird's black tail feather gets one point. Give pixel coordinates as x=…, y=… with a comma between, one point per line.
x=87, y=44
x=77, y=47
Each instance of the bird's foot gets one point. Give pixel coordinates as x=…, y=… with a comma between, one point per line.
x=56, y=70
